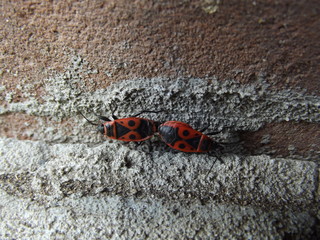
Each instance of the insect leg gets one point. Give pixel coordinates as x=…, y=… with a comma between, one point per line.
x=217, y=158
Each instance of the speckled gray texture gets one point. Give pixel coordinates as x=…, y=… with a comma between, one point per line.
x=79, y=191
x=81, y=186
x=220, y=103
x=64, y=169
x=127, y=218
x=208, y=102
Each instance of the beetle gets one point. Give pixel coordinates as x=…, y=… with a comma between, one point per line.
x=181, y=136
x=131, y=129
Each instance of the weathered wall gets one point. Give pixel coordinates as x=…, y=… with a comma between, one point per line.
x=248, y=69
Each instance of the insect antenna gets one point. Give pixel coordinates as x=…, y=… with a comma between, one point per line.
x=92, y=123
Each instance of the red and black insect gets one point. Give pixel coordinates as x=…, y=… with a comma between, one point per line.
x=127, y=129
x=181, y=136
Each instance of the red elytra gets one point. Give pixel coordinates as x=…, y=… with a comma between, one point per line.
x=133, y=129
x=129, y=129
x=182, y=137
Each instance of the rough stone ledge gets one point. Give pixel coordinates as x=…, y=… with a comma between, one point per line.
x=115, y=217
x=226, y=106
x=280, y=196
x=220, y=104
x=45, y=172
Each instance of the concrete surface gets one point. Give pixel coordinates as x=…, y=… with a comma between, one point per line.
x=74, y=191
x=249, y=69
x=86, y=187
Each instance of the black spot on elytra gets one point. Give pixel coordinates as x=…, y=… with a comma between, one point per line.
x=185, y=133
x=131, y=123
x=132, y=136
x=182, y=146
